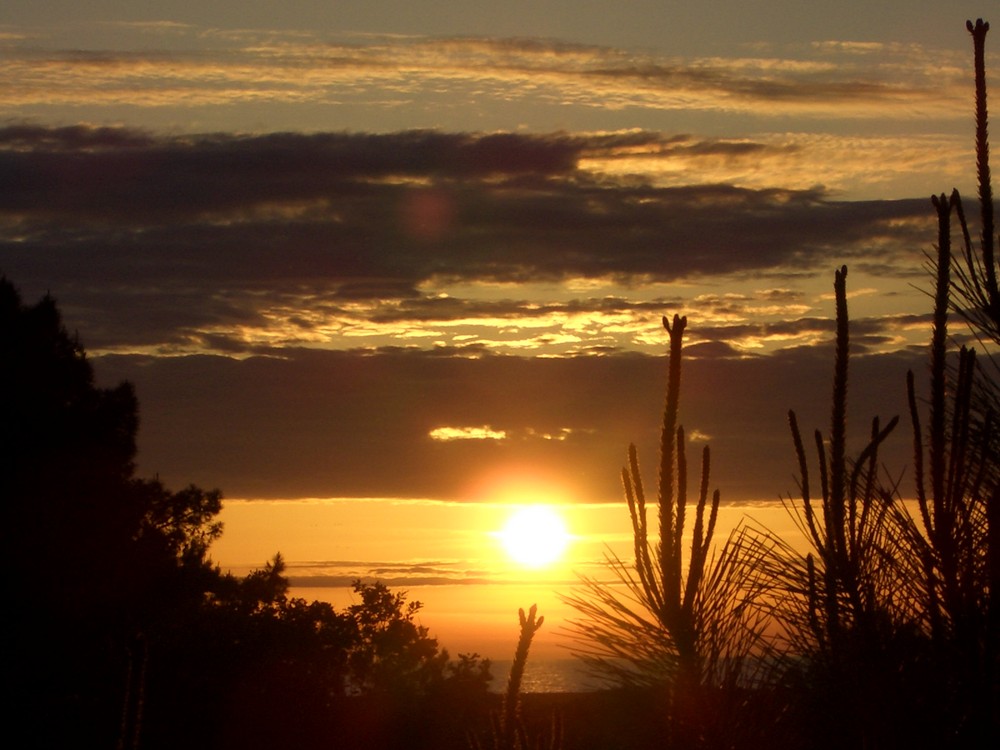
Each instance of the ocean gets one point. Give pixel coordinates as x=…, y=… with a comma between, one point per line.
x=546, y=676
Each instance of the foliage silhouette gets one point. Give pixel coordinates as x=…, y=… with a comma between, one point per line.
x=252, y=667
x=892, y=609
x=957, y=475
x=391, y=654
x=885, y=632
x=510, y=730
x=126, y=635
x=95, y=556
x=692, y=636
x=844, y=609
x=976, y=297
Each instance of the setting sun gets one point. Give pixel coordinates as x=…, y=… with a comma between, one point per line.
x=534, y=536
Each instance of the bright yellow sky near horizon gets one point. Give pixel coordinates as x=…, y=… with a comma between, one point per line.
x=448, y=555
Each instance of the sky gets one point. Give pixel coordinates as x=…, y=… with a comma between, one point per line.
x=421, y=251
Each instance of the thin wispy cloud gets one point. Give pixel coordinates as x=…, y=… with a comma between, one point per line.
x=838, y=80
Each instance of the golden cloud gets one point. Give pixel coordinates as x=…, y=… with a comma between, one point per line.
x=483, y=432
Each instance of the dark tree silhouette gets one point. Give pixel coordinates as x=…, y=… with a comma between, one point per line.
x=93, y=555
x=121, y=633
x=392, y=653
x=66, y=460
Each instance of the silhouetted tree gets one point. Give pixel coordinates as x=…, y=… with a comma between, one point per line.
x=123, y=634
x=66, y=461
x=392, y=654
x=93, y=555
x=890, y=615
x=248, y=667
x=252, y=667
x=955, y=462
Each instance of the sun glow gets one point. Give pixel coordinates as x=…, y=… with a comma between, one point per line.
x=535, y=536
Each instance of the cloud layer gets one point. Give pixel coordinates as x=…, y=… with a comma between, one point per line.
x=244, y=245
x=469, y=268
x=204, y=67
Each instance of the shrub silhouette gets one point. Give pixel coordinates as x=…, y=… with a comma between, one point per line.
x=893, y=610
x=955, y=460
x=510, y=731
x=885, y=632
x=691, y=635
x=848, y=632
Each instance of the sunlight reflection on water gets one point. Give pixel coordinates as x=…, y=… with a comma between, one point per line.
x=545, y=676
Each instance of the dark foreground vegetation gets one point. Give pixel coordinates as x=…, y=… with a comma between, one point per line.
x=883, y=633
x=121, y=633
x=119, y=630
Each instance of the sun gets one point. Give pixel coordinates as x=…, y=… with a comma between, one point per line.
x=534, y=536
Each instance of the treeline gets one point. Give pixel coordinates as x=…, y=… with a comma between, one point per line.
x=120, y=631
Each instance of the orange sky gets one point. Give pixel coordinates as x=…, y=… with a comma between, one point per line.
x=446, y=555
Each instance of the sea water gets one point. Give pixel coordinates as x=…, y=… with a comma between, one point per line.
x=546, y=676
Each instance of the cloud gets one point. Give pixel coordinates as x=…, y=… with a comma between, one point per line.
x=863, y=166
x=299, y=69
x=328, y=573
x=301, y=312
x=342, y=424
x=485, y=432
x=368, y=313
x=250, y=244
